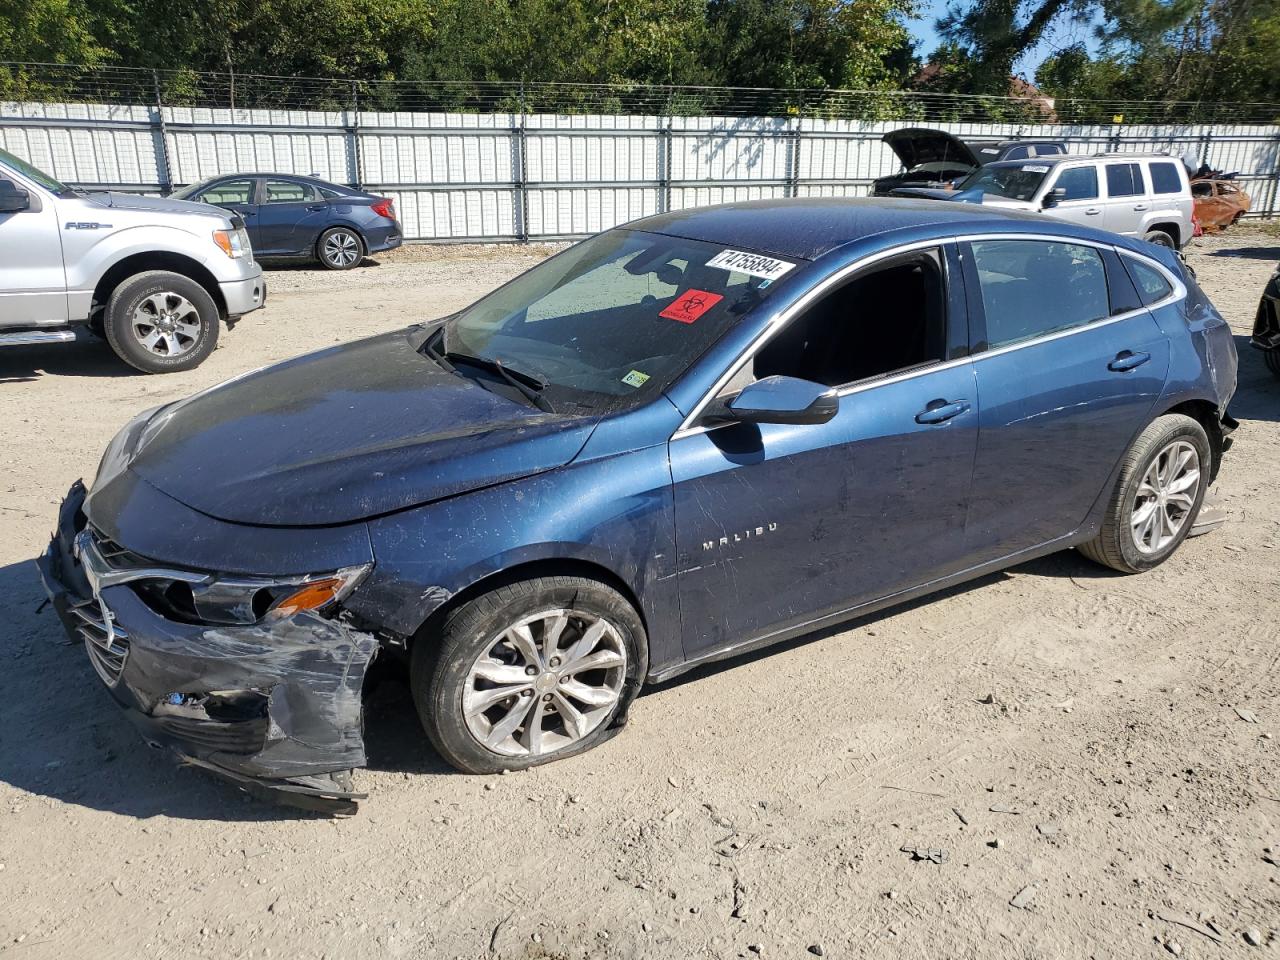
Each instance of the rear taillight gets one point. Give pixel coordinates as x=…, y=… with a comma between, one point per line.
x=385, y=208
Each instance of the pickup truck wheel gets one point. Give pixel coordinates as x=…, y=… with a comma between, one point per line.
x=161, y=322
x=529, y=672
x=1157, y=497
x=1160, y=239
x=340, y=248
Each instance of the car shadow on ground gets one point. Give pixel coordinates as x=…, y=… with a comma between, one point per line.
x=1247, y=253
x=89, y=357
x=1258, y=391
x=310, y=266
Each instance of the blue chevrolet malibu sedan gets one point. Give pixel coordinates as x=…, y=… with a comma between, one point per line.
x=679, y=440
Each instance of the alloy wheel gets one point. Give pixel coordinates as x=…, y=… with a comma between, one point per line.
x=341, y=249
x=1166, y=497
x=167, y=324
x=544, y=683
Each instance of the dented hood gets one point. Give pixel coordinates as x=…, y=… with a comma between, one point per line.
x=348, y=433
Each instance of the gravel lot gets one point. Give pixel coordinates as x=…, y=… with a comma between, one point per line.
x=1107, y=785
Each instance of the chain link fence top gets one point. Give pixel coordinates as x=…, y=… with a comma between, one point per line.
x=65, y=83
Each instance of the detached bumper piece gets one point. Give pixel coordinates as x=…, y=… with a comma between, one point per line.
x=273, y=707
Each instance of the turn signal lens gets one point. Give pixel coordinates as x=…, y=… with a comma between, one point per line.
x=310, y=596
x=229, y=242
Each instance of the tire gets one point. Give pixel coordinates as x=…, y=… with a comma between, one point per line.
x=340, y=248
x=460, y=708
x=1118, y=544
x=1272, y=359
x=185, y=330
x=1160, y=239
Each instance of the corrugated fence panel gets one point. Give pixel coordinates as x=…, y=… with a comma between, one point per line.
x=460, y=176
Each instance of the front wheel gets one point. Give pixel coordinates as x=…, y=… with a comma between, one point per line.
x=161, y=322
x=528, y=673
x=340, y=248
x=1157, y=497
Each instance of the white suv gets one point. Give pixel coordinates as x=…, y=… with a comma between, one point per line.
x=155, y=277
x=1138, y=195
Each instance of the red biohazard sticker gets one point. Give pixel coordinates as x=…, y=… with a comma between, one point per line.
x=690, y=305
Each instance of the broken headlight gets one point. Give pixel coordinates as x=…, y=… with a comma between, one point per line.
x=247, y=600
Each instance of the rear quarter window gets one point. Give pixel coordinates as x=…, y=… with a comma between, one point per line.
x=1151, y=283
x=1165, y=179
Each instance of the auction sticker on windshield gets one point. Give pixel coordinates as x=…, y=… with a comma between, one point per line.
x=1035, y=168
x=690, y=305
x=752, y=264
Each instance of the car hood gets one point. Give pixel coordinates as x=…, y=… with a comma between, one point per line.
x=363, y=429
x=917, y=145
x=133, y=201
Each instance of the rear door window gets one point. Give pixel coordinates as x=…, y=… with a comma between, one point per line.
x=288, y=191
x=1165, y=179
x=1049, y=150
x=1124, y=180
x=1032, y=288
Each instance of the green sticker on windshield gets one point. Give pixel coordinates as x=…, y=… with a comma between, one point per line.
x=635, y=379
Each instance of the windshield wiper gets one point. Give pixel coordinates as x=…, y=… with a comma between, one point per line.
x=530, y=386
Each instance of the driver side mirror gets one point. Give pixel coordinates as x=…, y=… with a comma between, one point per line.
x=13, y=198
x=785, y=400
x=1054, y=197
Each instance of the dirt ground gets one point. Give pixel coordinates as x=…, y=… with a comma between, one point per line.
x=1070, y=737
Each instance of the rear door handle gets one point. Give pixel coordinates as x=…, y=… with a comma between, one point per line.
x=1127, y=360
x=318, y=206
x=1092, y=211
x=1140, y=206
x=940, y=411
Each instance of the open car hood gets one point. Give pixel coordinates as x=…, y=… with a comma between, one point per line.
x=917, y=145
x=358, y=430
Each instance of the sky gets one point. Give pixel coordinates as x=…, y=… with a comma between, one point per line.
x=1060, y=35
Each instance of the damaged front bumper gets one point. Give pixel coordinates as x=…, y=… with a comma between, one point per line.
x=274, y=706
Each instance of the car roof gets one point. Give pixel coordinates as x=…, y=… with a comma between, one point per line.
x=808, y=227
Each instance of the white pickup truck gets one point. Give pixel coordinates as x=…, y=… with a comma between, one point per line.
x=155, y=277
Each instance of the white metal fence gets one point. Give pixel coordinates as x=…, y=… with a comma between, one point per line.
x=499, y=176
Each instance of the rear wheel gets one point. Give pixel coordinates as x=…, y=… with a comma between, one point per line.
x=1160, y=238
x=340, y=248
x=1157, y=497
x=161, y=322
x=528, y=673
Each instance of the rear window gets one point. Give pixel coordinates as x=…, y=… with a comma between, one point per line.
x=1124, y=180
x=1165, y=179
x=1151, y=283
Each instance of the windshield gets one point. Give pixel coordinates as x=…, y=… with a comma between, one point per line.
x=31, y=173
x=1018, y=182
x=191, y=190
x=615, y=318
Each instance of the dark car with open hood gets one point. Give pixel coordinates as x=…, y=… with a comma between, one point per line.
x=704, y=432
x=934, y=159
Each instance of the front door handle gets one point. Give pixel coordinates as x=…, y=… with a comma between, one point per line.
x=1127, y=360
x=1092, y=211
x=318, y=206
x=940, y=411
